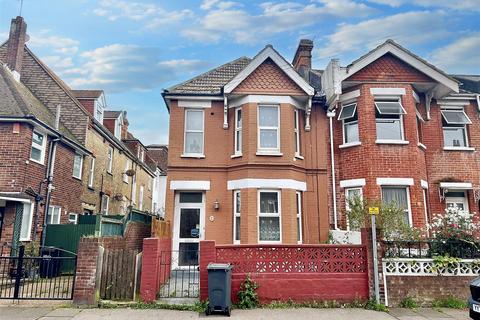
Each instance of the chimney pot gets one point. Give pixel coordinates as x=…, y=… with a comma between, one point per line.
x=16, y=44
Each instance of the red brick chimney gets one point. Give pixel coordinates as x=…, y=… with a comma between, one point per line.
x=16, y=44
x=302, y=62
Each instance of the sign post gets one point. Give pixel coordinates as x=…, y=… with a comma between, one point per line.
x=374, y=211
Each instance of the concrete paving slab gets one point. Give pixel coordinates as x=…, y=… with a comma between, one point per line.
x=23, y=313
x=64, y=312
x=402, y=312
x=456, y=314
x=431, y=313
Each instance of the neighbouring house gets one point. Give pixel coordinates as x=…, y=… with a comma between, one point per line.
x=41, y=157
x=159, y=153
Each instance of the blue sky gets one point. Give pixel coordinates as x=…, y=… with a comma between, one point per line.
x=134, y=49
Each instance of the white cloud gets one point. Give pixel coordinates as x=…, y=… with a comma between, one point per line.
x=455, y=5
x=57, y=62
x=119, y=67
x=406, y=28
x=460, y=56
x=61, y=45
x=227, y=20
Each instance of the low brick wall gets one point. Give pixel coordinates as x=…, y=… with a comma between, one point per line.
x=426, y=289
x=134, y=235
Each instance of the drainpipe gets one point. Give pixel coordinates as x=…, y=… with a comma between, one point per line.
x=331, y=115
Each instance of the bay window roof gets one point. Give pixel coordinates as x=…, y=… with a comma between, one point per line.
x=455, y=117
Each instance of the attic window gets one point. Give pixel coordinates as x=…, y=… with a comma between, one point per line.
x=389, y=107
x=455, y=117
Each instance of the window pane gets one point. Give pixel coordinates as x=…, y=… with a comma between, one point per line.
x=268, y=116
x=238, y=202
x=351, y=132
x=268, y=138
x=237, y=228
x=188, y=255
x=25, y=228
x=36, y=154
x=189, y=223
x=455, y=117
x=190, y=197
x=352, y=193
x=299, y=230
x=37, y=138
x=239, y=140
x=269, y=229
x=389, y=107
x=268, y=202
x=347, y=111
x=454, y=137
x=389, y=129
x=239, y=118
x=193, y=142
x=194, y=120
x=455, y=194
x=77, y=161
x=397, y=196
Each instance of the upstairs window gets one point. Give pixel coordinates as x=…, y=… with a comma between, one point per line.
x=91, y=173
x=389, y=120
x=77, y=166
x=98, y=114
x=420, y=129
x=39, y=142
x=238, y=131
x=110, y=159
x=349, y=117
x=127, y=167
x=140, y=198
x=268, y=129
x=194, y=130
x=296, y=133
x=53, y=215
x=105, y=203
x=455, y=128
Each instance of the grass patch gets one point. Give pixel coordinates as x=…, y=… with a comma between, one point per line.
x=450, y=302
x=289, y=304
x=199, y=306
x=409, y=303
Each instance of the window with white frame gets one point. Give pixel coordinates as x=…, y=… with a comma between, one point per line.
x=142, y=155
x=296, y=132
x=399, y=197
x=77, y=166
x=72, y=218
x=39, y=143
x=134, y=189
x=127, y=167
x=351, y=194
x=237, y=207
x=268, y=129
x=98, y=114
x=389, y=119
x=269, y=213
x=194, y=130
x=27, y=217
x=349, y=117
x=140, y=198
x=91, y=173
x=298, y=201
x=105, y=203
x=53, y=215
x=118, y=128
x=238, y=131
x=455, y=127
x=419, y=128
x=456, y=198
x=110, y=159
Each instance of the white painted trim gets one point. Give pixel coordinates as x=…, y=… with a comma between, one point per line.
x=352, y=183
x=350, y=144
x=269, y=52
x=424, y=184
x=266, y=184
x=395, y=181
x=189, y=185
x=453, y=102
x=385, y=141
x=195, y=103
x=195, y=98
x=349, y=96
x=15, y=199
x=456, y=185
x=415, y=96
x=387, y=91
x=266, y=99
x=422, y=146
x=458, y=148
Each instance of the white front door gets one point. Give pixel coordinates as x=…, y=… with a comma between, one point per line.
x=189, y=227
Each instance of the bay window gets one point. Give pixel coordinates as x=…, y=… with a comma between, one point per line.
x=351, y=194
x=298, y=201
x=349, y=117
x=296, y=133
x=237, y=207
x=456, y=198
x=238, y=131
x=269, y=216
x=194, y=130
x=454, y=123
x=268, y=129
x=389, y=120
x=399, y=197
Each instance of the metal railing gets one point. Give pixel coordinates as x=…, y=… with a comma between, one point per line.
x=179, y=274
x=430, y=248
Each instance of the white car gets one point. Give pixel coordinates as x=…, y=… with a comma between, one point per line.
x=474, y=300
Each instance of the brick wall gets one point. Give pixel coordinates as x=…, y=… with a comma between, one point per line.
x=86, y=290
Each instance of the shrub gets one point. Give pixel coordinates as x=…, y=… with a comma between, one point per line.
x=409, y=303
x=450, y=302
x=247, y=296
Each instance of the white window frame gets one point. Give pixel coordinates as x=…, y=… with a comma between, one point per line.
x=454, y=200
x=296, y=133
x=260, y=128
x=91, y=173
x=401, y=115
x=29, y=223
x=236, y=215
x=74, y=221
x=409, y=205
x=134, y=189
x=345, y=143
x=299, y=214
x=270, y=215
x=98, y=107
x=75, y=157
x=42, y=147
x=142, y=154
x=347, y=205
x=110, y=153
x=449, y=126
x=127, y=167
x=238, y=132
x=105, y=204
x=140, y=197
x=52, y=215
x=185, y=131
x=419, y=124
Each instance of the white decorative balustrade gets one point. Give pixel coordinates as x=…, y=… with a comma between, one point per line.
x=428, y=267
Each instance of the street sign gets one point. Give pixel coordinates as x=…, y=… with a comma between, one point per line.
x=373, y=210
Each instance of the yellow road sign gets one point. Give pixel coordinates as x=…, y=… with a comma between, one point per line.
x=374, y=210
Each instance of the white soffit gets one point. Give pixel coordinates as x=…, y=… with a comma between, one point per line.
x=266, y=184
x=387, y=91
x=269, y=52
x=195, y=103
x=456, y=185
x=352, y=183
x=395, y=181
x=189, y=185
x=346, y=97
x=265, y=99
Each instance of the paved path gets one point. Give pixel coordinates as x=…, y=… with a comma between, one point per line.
x=50, y=313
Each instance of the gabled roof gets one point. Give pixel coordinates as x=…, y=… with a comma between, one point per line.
x=266, y=53
x=210, y=82
x=469, y=83
x=448, y=83
x=87, y=94
x=111, y=114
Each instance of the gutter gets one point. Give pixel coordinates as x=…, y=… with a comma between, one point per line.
x=331, y=115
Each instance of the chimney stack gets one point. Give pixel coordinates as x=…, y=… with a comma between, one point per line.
x=302, y=62
x=16, y=45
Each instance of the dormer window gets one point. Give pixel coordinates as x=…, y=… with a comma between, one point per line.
x=118, y=127
x=98, y=111
x=389, y=120
x=349, y=117
x=455, y=128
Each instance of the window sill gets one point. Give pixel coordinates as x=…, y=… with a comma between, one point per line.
x=422, y=146
x=297, y=156
x=380, y=141
x=91, y=189
x=350, y=144
x=77, y=178
x=33, y=160
x=190, y=155
x=237, y=155
x=265, y=153
x=110, y=173
x=458, y=149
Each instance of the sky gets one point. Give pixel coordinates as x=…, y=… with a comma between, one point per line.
x=135, y=49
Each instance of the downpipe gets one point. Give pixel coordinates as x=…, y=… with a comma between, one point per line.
x=331, y=115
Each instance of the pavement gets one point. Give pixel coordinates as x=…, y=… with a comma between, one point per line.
x=39, y=312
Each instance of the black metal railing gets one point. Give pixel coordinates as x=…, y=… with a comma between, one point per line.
x=49, y=275
x=179, y=274
x=430, y=248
